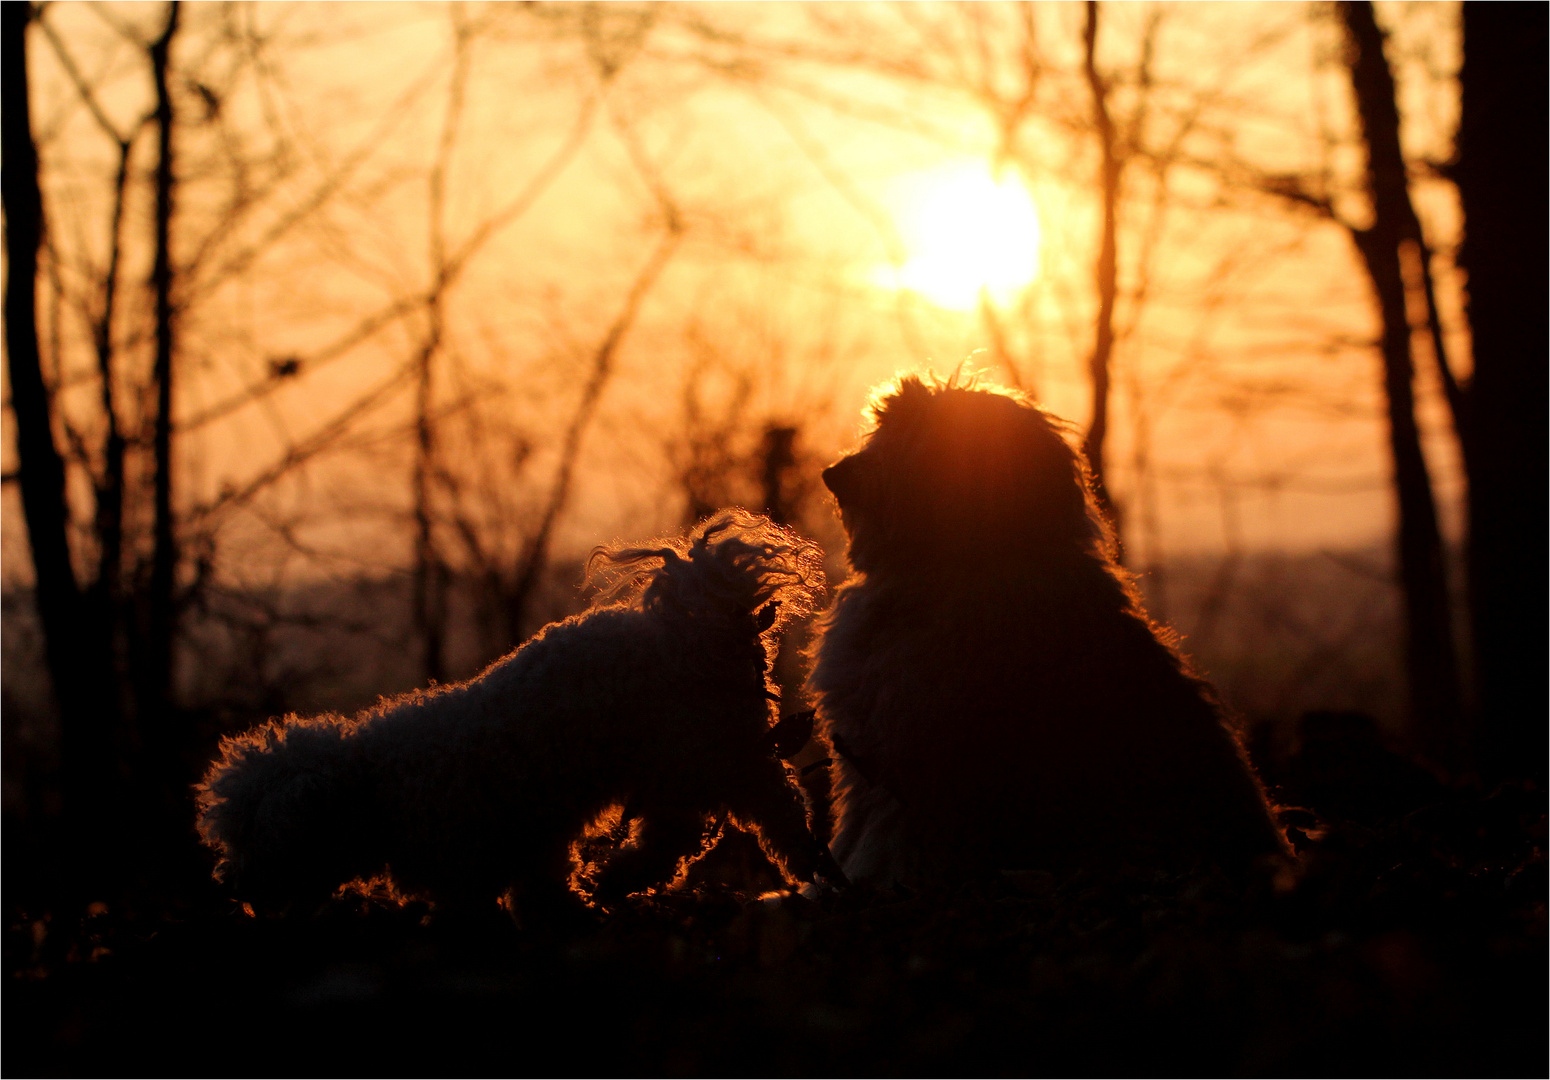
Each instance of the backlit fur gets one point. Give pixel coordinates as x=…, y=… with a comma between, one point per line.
x=994, y=691
x=656, y=701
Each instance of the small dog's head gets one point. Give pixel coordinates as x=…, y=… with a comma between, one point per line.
x=282, y=807
x=956, y=475
x=738, y=578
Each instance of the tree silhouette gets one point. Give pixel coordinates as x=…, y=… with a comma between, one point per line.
x=1392, y=238
x=1501, y=174
x=1106, y=266
x=1431, y=661
x=154, y=548
x=74, y=645
x=153, y=663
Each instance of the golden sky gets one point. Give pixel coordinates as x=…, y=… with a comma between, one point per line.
x=853, y=184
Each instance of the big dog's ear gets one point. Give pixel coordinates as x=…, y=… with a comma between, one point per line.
x=764, y=618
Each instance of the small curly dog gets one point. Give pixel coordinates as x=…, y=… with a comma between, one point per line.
x=657, y=702
x=993, y=691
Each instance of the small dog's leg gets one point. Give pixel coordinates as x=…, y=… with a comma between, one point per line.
x=767, y=801
x=665, y=837
x=543, y=905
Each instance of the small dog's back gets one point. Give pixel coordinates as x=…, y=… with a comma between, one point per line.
x=994, y=693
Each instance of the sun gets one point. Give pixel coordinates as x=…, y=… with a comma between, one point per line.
x=965, y=233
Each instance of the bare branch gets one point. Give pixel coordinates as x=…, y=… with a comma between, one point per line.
x=83, y=89
x=326, y=436
x=536, y=551
x=200, y=282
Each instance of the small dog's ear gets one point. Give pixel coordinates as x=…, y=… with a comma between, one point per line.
x=765, y=617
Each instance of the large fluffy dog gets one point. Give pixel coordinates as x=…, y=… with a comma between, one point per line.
x=995, y=695
x=658, y=702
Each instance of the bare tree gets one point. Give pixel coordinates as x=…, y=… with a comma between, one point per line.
x=1432, y=663
x=153, y=667
x=428, y=603
x=128, y=447
x=77, y=660
x=1501, y=174
x=1393, y=236
x=1105, y=268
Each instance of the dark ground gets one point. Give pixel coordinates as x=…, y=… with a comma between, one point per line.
x=1412, y=941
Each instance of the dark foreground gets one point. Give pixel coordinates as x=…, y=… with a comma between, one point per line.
x=1412, y=943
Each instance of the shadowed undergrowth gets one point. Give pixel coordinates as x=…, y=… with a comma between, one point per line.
x=1414, y=941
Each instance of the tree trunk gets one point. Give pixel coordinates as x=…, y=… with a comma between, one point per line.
x=75, y=666
x=1106, y=271
x=1431, y=661
x=154, y=669
x=779, y=460
x=428, y=600
x=106, y=594
x=1502, y=179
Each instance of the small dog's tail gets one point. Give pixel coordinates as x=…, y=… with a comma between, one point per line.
x=734, y=559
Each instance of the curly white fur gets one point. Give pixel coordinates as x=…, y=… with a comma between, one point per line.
x=658, y=702
x=994, y=692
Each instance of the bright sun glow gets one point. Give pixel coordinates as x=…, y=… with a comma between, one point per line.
x=964, y=232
